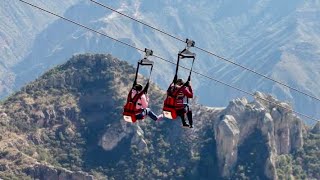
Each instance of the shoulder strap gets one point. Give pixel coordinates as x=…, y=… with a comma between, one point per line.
x=137, y=97
x=174, y=92
x=129, y=98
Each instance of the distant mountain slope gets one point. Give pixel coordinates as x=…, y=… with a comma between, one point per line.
x=69, y=120
x=21, y=23
x=19, y=26
x=277, y=38
x=285, y=48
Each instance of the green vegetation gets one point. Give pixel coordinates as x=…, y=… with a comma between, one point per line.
x=285, y=167
x=68, y=109
x=306, y=163
x=63, y=115
x=302, y=164
x=252, y=156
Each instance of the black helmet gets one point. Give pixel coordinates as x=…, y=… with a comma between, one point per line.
x=137, y=87
x=180, y=82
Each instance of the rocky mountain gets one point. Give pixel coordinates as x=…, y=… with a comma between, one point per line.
x=277, y=38
x=68, y=124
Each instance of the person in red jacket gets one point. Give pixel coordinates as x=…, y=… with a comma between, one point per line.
x=143, y=103
x=185, y=91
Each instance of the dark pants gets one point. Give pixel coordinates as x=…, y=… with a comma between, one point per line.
x=181, y=113
x=148, y=112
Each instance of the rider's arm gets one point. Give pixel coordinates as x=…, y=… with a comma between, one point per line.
x=144, y=101
x=187, y=91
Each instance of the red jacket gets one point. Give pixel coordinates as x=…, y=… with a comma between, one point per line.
x=185, y=91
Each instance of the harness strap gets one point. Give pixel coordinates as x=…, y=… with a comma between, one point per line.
x=136, y=77
x=174, y=92
x=145, y=90
x=181, y=56
x=177, y=69
x=135, y=98
x=144, y=62
x=189, y=78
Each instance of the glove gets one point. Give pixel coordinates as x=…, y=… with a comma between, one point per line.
x=188, y=84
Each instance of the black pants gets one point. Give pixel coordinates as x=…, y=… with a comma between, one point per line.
x=181, y=114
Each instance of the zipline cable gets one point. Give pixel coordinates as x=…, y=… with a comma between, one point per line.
x=207, y=51
x=134, y=19
x=161, y=58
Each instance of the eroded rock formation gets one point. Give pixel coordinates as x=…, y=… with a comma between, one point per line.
x=282, y=129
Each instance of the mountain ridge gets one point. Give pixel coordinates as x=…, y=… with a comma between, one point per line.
x=70, y=118
x=270, y=37
x=19, y=27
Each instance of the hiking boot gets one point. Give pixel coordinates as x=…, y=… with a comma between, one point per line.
x=185, y=125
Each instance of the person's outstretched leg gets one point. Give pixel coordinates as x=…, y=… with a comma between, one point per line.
x=151, y=114
x=180, y=113
x=141, y=115
x=189, y=114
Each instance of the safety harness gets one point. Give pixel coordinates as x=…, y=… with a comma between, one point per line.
x=170, y=105
x=129, y=110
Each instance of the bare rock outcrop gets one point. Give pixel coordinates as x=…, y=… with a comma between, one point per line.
x=117, y=131
x=46, y=172
x=316, y=128
x=227, y=133
x=282, y=129
x=3, y=115
x=113, y=135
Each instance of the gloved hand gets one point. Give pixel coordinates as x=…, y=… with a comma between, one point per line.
x=188, y=84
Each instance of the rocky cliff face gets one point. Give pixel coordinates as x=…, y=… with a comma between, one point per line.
x=277, y=38
x=281, y=129
x=69, y=120
x=316, y=129
x=73, y=110
x=40, y=171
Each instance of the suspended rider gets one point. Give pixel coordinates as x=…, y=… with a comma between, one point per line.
x=183, y=91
